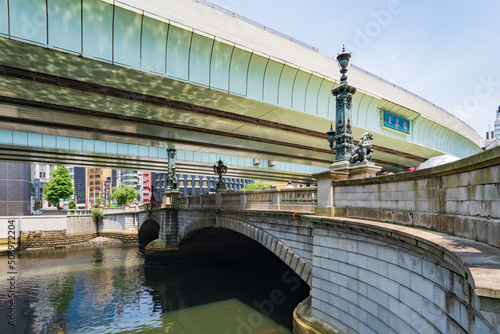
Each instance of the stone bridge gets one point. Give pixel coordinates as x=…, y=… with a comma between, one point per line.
x=415, y=252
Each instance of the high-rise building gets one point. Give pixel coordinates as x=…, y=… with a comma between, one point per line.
x=95, y=180
x=15, y=189
x=110, y=183
x=133, y=178
x=497, y=124
x=146, y=187
x=43, y=172
x=79, y=178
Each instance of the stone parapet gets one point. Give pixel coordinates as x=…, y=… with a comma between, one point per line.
x=461, y=198
x=423, y=281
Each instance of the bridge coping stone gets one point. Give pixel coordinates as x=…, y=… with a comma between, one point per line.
x=481, y=262
x=457, y=172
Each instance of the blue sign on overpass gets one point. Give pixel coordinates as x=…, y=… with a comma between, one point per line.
x=397, y=123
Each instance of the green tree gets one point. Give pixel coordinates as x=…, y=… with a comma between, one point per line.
x=123, y=194
x=97, y=214
x=257, y=185
x=72, y=205
x=60, y=185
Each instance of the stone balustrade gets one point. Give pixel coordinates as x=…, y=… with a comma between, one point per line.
x=79, y=212
x=296, y=199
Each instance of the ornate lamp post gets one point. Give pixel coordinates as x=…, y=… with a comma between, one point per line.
x=330, y=136
x=171, y=177
x=220, y=169
x=343, y=135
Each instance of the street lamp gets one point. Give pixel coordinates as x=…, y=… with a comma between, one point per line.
x=330, y=136
x=343, y=61
x=220, y=169
x=342, y=136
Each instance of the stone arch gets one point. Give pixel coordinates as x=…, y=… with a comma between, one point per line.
x=286, y=254
x=149, y=230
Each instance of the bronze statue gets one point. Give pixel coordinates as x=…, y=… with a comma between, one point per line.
x=364, y=149
x=172, y=180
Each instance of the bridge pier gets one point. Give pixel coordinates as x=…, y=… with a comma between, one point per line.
x=169, y=230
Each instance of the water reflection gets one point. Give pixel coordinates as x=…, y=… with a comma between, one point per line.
x=108, y=290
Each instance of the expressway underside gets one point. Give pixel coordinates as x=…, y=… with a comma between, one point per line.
x=61, y=94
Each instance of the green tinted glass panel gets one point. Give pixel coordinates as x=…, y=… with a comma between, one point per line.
x=122, y=149
x=271, y=81
x=28, y=20
x=324, y=97
x=312, y=94
x=199, y=60
x=133, y=150
x=154, y=43
x=299, y=90
x=98, y=29
x=65, y=24
x=127, y=41
x=76, y=144
x=256, y=77
x=4, y=18
x=111, y=148
x=19, y=138
x=35, y=140
x=49, y=141
x=88, y=145
x=178, y=52
x=153, y=152
x=238, y=72
x=62, y=143
x=219, y=71
x=286, y=85
x=5, y=137
x=143, y=151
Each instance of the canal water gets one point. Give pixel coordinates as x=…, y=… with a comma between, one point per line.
x=108, y=290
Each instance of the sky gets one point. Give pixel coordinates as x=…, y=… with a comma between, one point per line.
x=446, y=51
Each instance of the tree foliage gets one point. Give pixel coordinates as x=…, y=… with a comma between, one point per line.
x=97, y=214
x=257, y=185
x=123, y=194
x=72, y=205
x=59, y=186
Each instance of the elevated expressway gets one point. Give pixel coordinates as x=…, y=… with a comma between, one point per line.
x=180, y=74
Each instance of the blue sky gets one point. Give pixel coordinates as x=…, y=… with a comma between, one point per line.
x=448, y=52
